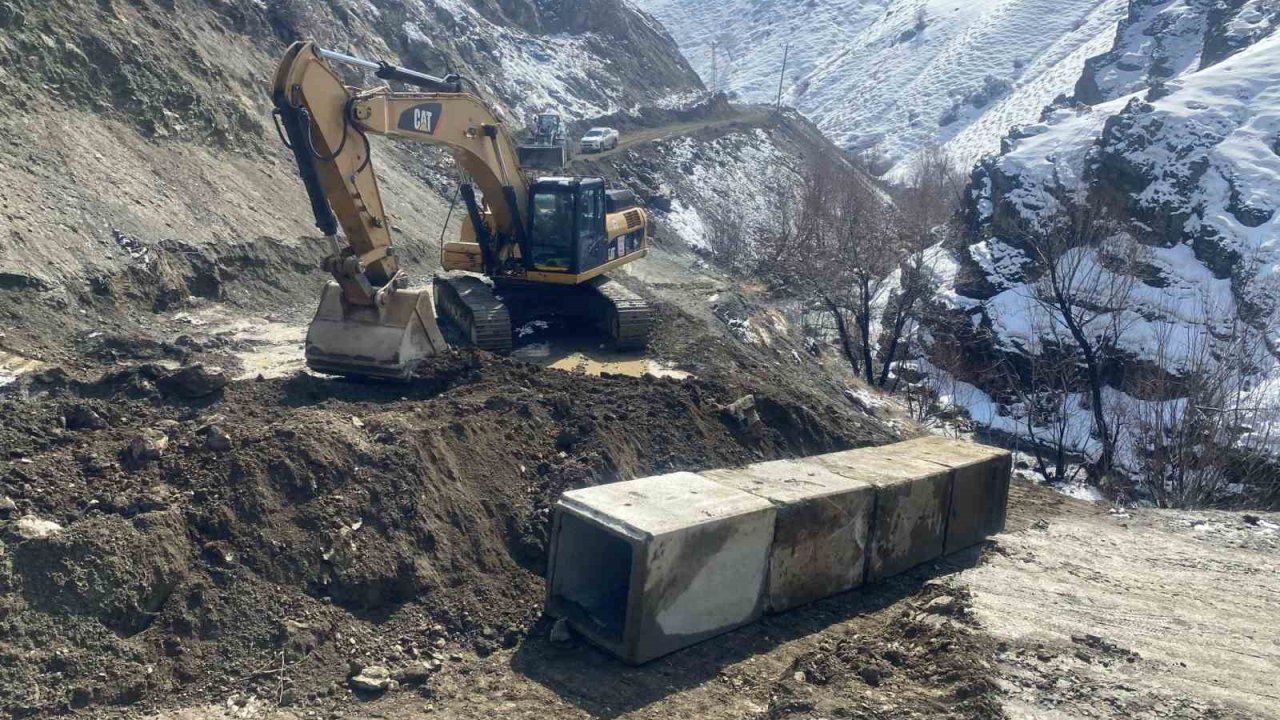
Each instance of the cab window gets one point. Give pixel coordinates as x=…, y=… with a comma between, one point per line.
x=552, y=229
x=590, y=213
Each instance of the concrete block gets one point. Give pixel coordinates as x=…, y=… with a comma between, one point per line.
x=647, y=567
x=908, y=525
x=820, y=536
x=980, y=478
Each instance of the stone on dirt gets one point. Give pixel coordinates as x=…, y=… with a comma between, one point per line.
x=7, y=505
x=743, y=411
x=374, y=678
x=147, y=446
x=216, y=439
x=83, y=417
x=417, y=673
x=941, y=605
x=193, y=382
x=30, y=527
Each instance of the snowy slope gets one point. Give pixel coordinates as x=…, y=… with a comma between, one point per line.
x=534, y=56
x=1186, y=134
x=892, y=75
x=1205, y=154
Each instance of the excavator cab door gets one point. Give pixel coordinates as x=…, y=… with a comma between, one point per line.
x=592, y=237
x=567, y=225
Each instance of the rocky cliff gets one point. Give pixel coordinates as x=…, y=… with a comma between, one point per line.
x=1175, y=135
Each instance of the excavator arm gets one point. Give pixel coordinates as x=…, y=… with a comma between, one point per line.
x=326, y=124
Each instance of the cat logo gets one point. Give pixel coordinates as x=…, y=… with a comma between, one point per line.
x=420, y=118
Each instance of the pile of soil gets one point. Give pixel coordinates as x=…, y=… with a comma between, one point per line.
x=925, y=659
x=167, y=536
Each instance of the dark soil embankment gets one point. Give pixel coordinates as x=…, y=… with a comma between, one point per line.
x=212, y=532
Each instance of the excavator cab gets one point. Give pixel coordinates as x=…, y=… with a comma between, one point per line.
x=567, y=225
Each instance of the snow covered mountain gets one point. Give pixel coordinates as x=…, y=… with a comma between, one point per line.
x=892, y=75
x=1176, y=129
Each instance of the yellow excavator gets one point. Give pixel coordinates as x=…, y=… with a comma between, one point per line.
x=537, y=248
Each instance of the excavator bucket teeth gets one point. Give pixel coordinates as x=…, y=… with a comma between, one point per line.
x=365, y=341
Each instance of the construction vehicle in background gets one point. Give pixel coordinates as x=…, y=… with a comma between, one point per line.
x=544, y=245
x=546, y=148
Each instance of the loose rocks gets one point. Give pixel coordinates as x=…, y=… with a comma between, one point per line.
x=374, y=678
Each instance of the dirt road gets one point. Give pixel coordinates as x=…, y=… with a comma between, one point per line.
x=744, y=116
x=1144, y=615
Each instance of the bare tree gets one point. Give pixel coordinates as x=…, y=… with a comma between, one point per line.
x=935, y=399
x=1046, y=406
x=922, y=217
x=1088, y=271
x=934, y=189
x=1200, y=429
x=729, y=241
x=861, y=255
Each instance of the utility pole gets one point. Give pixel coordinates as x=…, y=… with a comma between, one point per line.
x=782, y=76
x=715, y=77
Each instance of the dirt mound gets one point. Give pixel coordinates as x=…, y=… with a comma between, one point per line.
x=314, y=522
x=116, y=570
x=924, y=661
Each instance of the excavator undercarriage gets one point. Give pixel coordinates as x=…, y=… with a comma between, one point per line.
x=538, y=248
x=489, y=315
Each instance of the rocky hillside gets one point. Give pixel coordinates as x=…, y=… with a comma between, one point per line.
x=723, y=177
x=891, y=75
x=141, y=167
x=1175, y=131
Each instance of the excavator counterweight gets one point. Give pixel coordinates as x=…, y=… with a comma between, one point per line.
x=547, y=243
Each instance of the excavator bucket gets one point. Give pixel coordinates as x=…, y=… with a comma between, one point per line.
x=367, y=341
x=542, y=157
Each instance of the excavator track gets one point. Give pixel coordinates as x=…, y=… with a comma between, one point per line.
x=486, y=320
x=626, y=317
x=472, y=305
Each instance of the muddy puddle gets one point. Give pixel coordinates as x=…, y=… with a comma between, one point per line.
x=594, y=361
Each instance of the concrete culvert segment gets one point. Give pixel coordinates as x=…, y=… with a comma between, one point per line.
x=647, y=567
x=911, y=506
x=823, y=521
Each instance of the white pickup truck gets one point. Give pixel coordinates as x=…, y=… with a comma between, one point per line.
x=599, y=139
